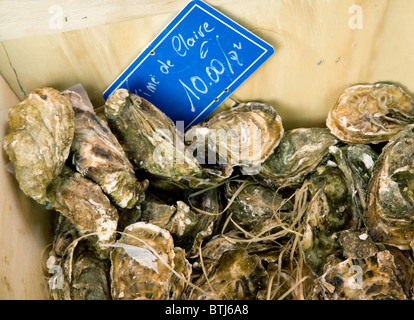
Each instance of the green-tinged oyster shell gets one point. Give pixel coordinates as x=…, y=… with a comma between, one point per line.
x=339, y=203
x=357, y=163
x=98, y=155
x=234, y=276
x=83, y=276
x=299, y=152
x=84, y=204
x=144, y=275
x=372, y=278
x=370, y=113
x=153, y=144
x=390, y=210
x=38, y=144
x=243, y=136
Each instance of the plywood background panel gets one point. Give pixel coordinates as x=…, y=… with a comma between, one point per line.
x=318, y=52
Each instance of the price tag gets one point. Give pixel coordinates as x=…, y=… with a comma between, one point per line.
x=194, y=64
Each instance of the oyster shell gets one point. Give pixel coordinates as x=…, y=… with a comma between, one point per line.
x=330, y=211
x=98, y=155
x=372, y=278
x=370, y=113
x=38, y=144
x=144, y=276
x=234, y=276
x=390, y=210
x=151, y=141
x=255, y=207
x=178, y=219
x=84, y=204
x=299, y=152
x=356, y=244
x=242, y=136
x=83, y=276
x=339, y=203
x=64, y=234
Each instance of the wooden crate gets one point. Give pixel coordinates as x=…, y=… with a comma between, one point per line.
x=322, y=47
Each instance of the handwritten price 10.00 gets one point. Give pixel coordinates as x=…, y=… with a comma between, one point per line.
x=213, y=71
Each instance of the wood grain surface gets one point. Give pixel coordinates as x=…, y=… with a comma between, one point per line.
x=320, y=51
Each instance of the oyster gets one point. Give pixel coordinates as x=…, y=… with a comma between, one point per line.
x=390, y=210
x=370, y=113
x=151, y=141
x=339, y=202
x=178, y=285
x=234, y=276
x=330, y=211
x=372, y=278
x=84, y=204
x=64, y=235
x=299, y=152
x=138, y=273
x=255, y=207
x=41, y=133
x=83, y=276
x=242, y=136
x=178, y=219
x=98, y=155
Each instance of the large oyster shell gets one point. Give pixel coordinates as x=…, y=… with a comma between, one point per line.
x=372, y=278
x=132, y=278
x=84, y=204
x=299, y=152
x=150, y=139
x=243, y=136
x=41, y=133
x=370, y=113
x=390, y=210
x=98, y=155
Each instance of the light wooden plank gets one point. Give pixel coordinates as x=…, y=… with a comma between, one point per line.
x=25, y=228
x=20, y=19
x=317, y=54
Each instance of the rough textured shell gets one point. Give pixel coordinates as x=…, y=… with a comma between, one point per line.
x=370, y=113
x=234, y=276
x=149, y=138
x=299, y=152
x=83, y=276
x=356, y=244
x=130, y=279
x=247, y=134
x=390, y=210
x=340, y=202
x=98, y=155
x=255, y=206
x=373, y=278
x=38, y=144
x=330, y=211
x=85, y=205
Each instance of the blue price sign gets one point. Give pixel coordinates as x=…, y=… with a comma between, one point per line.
x=194, y=64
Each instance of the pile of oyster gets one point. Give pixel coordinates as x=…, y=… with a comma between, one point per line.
x=233, y=208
